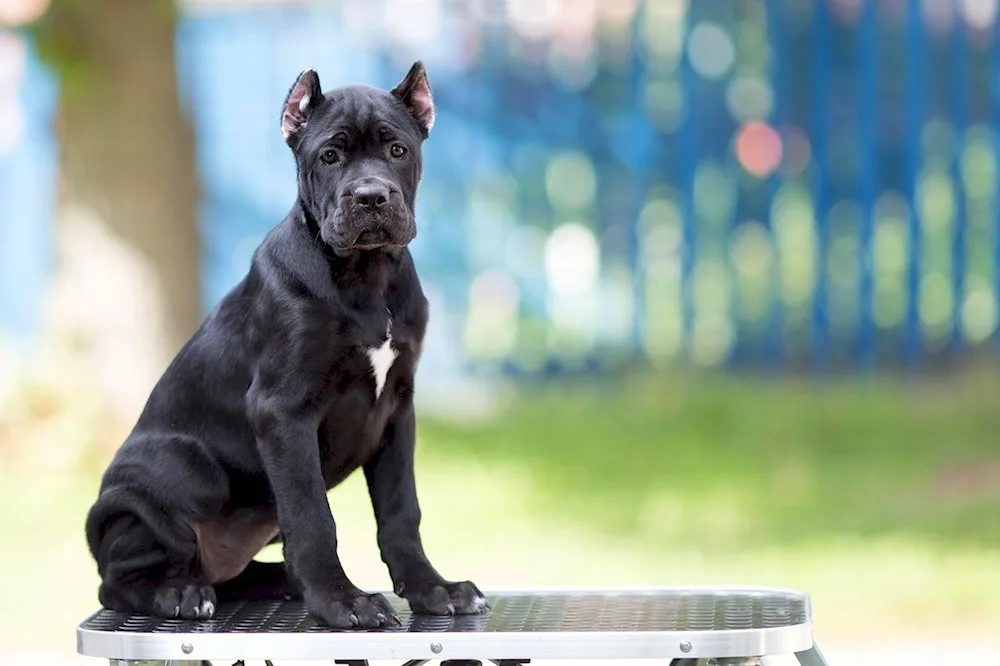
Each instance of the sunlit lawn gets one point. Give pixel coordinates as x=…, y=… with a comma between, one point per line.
x=880, y=499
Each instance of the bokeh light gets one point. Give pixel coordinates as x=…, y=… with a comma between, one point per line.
x=979, y=312
x=574, y=320
x=752, y=256
x=615, y=12
x=758, y=148
x=749, y=98
x=570, y=181
x=889, y=245
x=936, y=199
x=572, y=260
x=979, y=14
x=13, y=59
x=533, y=19
x=413, y=24
x=795, y=237
x=979, y=167
x=711, y=50
x=617, y=305
x=663, y=33
x=21, y=12
x=843, y=267
x=573, y=64
x=662, y=245
x=577, y=20
x=712, y=331
x=557, y=219
x=491, y=322
x=488, y=12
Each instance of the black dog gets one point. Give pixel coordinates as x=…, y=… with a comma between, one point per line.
x=302, y=374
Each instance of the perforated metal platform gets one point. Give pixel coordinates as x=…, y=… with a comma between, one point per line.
x=660, y=624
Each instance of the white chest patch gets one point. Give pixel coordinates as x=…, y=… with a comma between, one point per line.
x=382, y=359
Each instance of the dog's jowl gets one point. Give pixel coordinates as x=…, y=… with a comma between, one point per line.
x=301, y=375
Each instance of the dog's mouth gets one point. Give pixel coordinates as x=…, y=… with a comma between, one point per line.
x=351, y=232
x=372, y=238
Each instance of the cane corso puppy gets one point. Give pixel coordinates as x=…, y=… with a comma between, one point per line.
x=302, y=374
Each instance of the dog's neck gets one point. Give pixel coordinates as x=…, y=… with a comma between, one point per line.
x=363, y=276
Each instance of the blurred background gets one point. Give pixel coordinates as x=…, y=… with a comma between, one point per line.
x=714, y=287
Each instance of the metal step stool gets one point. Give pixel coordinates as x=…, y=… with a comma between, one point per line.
x=688, y=626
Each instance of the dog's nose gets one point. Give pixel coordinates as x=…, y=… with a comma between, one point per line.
x=370, y=196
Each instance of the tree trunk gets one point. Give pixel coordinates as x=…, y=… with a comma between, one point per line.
x=129, y=254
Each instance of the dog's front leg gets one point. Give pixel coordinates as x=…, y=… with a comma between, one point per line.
x=287, y=438
x=392, y=487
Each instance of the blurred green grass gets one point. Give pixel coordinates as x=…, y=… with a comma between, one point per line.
x=880, y=497
x=722, y=460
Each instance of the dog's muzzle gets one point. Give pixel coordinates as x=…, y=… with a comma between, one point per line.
x=374, y=215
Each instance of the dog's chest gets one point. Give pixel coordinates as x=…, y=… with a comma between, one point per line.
x=381, y=358
x=374, y=373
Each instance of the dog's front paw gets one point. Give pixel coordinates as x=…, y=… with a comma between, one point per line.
x=443, y=598
x=184, y=599
x=352, y=610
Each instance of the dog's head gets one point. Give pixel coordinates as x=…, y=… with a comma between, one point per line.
x=357, y=152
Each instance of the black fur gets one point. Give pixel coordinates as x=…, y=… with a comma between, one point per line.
x=273, y=400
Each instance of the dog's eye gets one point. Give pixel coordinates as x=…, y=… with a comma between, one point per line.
x=329, y=156
x=397, y=150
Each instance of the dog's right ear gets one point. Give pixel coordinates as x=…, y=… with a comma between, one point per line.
x=303, y=98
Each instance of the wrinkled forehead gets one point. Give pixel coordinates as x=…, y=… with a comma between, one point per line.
x=360, y=112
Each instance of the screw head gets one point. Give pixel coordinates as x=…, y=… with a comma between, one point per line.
x=685, y=646
x=436, y=647
x=187, y=648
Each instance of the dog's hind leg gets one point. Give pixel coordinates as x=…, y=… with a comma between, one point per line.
x=141, y=574
x=258, y=582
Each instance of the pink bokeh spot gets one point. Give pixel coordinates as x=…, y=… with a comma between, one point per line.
x=758, y=148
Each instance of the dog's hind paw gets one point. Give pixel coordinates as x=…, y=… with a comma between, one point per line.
x=186, y=600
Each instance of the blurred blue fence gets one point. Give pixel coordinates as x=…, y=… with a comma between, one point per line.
x=731, y=182
x=28, y=170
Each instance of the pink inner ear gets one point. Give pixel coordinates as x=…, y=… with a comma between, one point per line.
x=294, y=117
x=422, y=105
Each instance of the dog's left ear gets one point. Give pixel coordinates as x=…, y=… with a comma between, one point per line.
x=303, y=98
x=415, y=92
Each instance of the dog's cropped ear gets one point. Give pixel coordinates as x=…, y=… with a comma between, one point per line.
x=303, y=98
x=415, y=93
